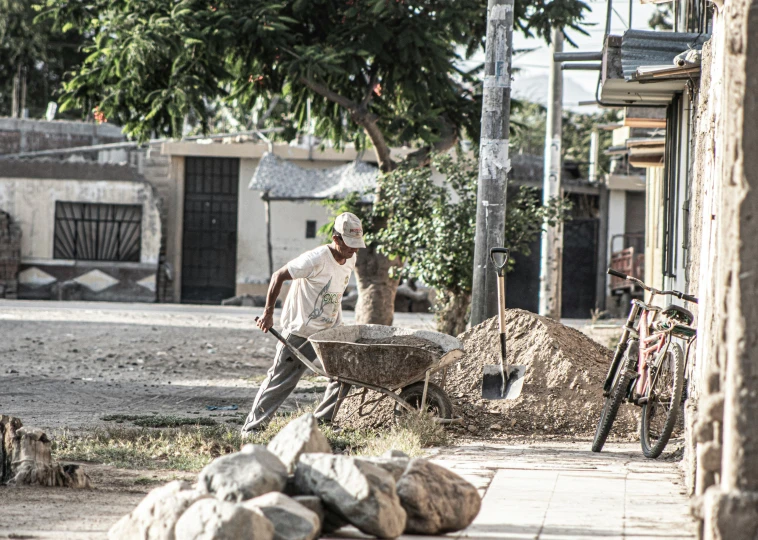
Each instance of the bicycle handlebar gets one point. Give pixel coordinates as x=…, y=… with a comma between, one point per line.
x=680, y=295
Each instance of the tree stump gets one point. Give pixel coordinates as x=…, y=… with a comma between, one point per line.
x=27, y=460
x=8, y=427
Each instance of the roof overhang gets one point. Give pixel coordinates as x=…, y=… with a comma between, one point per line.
x=638, y=67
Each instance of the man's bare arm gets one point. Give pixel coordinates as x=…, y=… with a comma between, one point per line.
x=274, y=288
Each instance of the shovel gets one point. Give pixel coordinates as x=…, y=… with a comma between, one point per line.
x=502, y=381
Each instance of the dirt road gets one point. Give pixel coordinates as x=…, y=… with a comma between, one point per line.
x=69, y=364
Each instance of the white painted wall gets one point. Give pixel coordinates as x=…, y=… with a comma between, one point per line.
x=287, y=229
x=31, y=203
x=616, y=218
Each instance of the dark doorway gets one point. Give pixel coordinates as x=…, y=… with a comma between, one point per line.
x=209, y=245
x=579, y=268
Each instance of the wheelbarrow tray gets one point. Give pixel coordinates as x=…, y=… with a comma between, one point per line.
x=386, y=365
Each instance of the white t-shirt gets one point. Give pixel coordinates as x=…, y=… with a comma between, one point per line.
x=314, y=301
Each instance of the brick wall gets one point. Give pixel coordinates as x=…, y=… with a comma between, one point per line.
x=10, y=256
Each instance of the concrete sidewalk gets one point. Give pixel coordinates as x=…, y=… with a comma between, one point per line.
x=562, y=491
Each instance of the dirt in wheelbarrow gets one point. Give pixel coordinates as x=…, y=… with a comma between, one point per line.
x=408, y=341
x=562, y=393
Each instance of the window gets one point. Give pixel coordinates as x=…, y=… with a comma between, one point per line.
x=310, y=229
x=97, y=232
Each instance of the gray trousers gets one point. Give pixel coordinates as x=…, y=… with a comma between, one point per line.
x=281, y=380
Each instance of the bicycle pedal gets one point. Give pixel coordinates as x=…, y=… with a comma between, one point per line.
x=641, y=401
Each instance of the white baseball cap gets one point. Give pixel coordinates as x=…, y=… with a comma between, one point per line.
x=349, y=228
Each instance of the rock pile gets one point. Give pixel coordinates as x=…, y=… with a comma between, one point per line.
x=296, y=489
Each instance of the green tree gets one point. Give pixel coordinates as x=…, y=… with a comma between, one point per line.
x=529, y=134
x=378, y=71
x=431, y=226
x=33, y=58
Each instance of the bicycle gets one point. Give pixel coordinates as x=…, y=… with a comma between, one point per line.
x=650, y=376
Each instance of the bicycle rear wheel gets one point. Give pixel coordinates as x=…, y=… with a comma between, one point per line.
x=664, y=396
x=625, y=372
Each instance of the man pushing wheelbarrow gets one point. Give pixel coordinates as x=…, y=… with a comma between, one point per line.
x=314, y=303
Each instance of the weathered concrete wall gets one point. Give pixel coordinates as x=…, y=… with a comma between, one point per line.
x=26, y=135
x=32, y=203
x=654, y=228
x=726, y=261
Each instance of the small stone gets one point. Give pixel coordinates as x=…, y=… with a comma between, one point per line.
x=513, y=422
x=291, y=520
x=496, y=427
x=249, y=473
x=212, y=519
x=357, y=491
x=436, y=500
x=301, y=436
x=471, y=428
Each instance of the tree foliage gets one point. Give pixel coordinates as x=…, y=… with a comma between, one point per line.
x=35, y=51
x=431, y=226
x=431, y=223
x=386, y=68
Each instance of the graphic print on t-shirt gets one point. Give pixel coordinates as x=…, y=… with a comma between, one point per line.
x=324, y=299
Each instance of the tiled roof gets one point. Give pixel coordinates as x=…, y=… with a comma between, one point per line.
x=285, y=180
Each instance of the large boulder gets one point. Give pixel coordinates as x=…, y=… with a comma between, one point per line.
x=357, y=491
x=249, y=473
x=212, y=519
x=436, y=500
x=291, y=520
x=156, y=516
x=394, y=462
x=301, y=436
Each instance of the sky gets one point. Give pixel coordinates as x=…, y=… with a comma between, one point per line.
x=531, y=80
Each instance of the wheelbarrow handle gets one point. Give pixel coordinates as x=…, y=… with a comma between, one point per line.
x=505, y=252
x=295, y=351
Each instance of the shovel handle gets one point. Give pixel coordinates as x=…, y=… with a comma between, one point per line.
x=505, y=252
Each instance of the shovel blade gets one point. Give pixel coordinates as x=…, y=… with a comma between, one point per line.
x=492, y=382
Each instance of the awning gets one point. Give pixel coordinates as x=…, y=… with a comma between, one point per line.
x=638, y=67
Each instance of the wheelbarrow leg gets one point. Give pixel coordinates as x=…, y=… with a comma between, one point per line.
x=423, y=396
x=343, y=391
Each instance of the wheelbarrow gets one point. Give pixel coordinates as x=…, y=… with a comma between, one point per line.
x=355, y=355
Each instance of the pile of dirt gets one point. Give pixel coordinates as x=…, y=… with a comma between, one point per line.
x=562, y=393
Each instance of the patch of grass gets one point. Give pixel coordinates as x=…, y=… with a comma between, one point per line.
x=159, y=421
x=146, y=481
x=411, y=434
x=184, y=447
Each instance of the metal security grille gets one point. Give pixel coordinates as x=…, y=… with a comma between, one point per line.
x=97, y=232
x=209, y=250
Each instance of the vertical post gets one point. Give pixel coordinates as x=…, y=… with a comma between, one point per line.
x=594, y=155
x=552, y=237
x=267, y=207
x=493, y=156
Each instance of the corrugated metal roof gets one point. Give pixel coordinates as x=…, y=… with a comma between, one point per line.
x=285, y=180
x=652, y=48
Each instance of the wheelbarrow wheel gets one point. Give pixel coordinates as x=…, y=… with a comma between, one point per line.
x=437, y=402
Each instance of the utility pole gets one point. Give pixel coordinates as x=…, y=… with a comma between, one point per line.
x=493, y=156
x=551, y=256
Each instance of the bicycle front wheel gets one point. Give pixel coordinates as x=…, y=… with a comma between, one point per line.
x=664, y=396
x=625, y=372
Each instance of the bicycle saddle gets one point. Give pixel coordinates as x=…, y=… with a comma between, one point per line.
x=678, y=313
